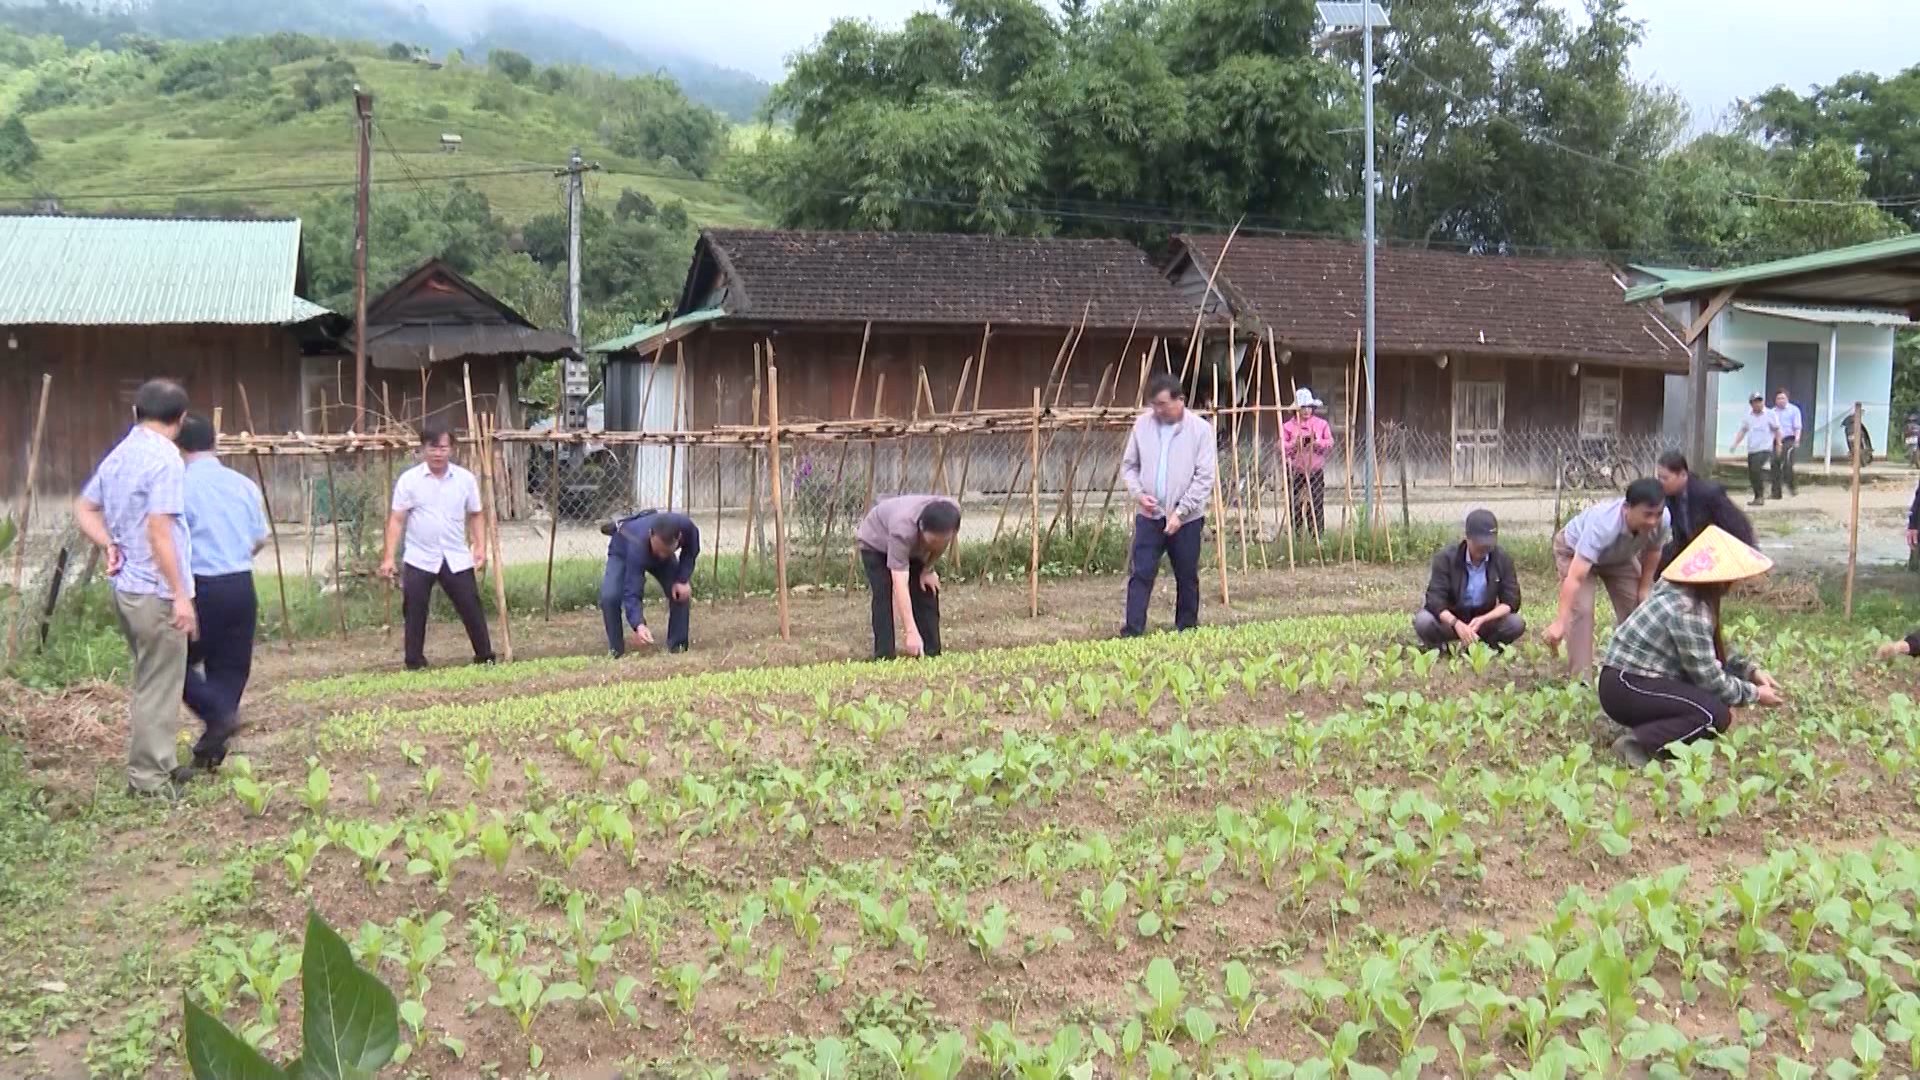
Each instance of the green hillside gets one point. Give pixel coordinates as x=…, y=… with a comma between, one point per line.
x=135, y=147
x=264, y=125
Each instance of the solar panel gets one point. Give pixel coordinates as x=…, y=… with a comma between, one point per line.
x=1345, y=15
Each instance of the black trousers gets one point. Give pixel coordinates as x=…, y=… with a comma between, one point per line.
x=1758, y=464
x=1783, y=468
x=1661, y=711
x=923, y=603
x=220, y=660
x=416, y=596
x=1310, y=502
x=1182, y=549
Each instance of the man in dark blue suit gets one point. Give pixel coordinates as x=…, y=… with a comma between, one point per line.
x=1695, y=502
x=657, y=542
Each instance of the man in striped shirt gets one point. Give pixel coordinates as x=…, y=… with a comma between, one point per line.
x=134, y=509
x=1787, y=415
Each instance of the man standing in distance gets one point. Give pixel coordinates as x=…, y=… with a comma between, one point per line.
x=1169, y=466
x=1760, y=434
x=1616, y=542
x=899, y=540
x=133, y=508
x=436, y=506
x=657, y=542
x=1787, y=415
x=228, y=527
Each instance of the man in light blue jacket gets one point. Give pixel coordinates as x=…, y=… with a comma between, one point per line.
x=1169, y=468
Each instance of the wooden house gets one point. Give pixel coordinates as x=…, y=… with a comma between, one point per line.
x=105, y=303
x=1490, y=368
x=1011, y=314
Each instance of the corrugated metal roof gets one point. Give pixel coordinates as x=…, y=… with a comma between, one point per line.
x=644, y=335
x=108, y=271
x=1881, y=272
x=1828, y=316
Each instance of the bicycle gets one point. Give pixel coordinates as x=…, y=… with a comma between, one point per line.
x=1595, y=470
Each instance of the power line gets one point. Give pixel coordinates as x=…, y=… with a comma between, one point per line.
x=254, y=189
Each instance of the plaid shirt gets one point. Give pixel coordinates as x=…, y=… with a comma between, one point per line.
x=143, y=475
x=1671, y=637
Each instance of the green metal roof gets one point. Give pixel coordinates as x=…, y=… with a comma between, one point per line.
x=120, y=271
x=643, y=336
x=1882, y=274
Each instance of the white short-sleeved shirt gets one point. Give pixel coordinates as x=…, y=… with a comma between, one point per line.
x=437, y=509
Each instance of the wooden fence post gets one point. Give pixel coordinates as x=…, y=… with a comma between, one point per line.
x=553, y=510
x=489, y=506
x=1033, y=556
x=26, y=511
x=753, y=481
x=1853, y=518
x=273, y=527
x=1219, y=511
x=774, y=484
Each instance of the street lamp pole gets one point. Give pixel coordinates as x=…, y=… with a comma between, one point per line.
x=1366, y=75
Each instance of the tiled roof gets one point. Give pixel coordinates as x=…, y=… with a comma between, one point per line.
x=108, y=271
x=939, y=278
x=1311, y=292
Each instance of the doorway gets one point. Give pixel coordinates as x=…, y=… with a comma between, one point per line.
x=1479, y=412
x=1795, y=366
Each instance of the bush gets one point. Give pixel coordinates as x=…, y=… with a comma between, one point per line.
x=18, y=151
x=511, y=64
x=437, y=111
x=399, y=50
x=495, y=98
x=325, y=83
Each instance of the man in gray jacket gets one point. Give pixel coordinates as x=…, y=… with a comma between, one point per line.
x=1169, y=467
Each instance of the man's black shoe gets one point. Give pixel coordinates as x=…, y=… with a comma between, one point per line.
x=678, y=649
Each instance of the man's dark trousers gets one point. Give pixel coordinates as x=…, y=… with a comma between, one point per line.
x=923, y=604
x=613, y=597
x=1182, y=549
x=220, y=660
x=1783, y=468
x=416, y=596
x=1757, y=465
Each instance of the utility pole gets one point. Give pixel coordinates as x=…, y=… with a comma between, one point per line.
x=1366, y=75
x=363, y=111
x=573, y=369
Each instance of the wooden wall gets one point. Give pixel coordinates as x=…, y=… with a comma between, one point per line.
x=95, y=373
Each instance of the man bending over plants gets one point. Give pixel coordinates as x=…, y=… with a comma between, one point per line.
x=1616, y=542
x=657, y=542
x=900, y=540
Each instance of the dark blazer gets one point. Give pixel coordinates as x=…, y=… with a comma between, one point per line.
x=1706, y=503
x=1913, y=512
x=1447, y=582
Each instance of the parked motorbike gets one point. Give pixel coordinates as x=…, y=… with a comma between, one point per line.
x=1865, y=437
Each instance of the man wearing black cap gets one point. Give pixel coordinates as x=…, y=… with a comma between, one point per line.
x=1473, y=593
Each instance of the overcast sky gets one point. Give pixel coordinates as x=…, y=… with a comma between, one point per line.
x=1712, y=51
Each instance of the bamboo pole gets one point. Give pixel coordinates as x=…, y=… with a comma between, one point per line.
x=1219, y=514
x=553, y=515
x=273, y=528
x=333, y=521
x=26, y=511
x=774, y=484
x=1291, y=511
x=901, y=485
x=966, y=463
x=1347, y=521
x=1065, y=506
x=386, y=593
x=873, y=469
x=753, y=480
x=490, y=507
x=1113, y=477
x=674, y=420
x=1070, y=346
x=1233, y=424
x=1853, y=516
x=719, y=508
x=940, y=444
x=1193, y=341
x=840, y=468
x=1259, y=436
x=1033, y=557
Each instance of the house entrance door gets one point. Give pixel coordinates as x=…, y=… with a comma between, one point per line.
x=1479, y=411
x=1795, y=365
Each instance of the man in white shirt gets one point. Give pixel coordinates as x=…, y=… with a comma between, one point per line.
x=1760, y=434
x=1787, y=415
x=436, y=506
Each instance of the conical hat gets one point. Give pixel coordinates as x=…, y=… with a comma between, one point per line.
x=1715, y=558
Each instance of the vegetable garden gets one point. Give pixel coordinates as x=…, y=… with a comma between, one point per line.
x=1283, y=848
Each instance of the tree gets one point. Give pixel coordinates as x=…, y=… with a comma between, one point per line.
x=511, y=64
x=1821, y=205
x=18, y=151
x=1863, y=110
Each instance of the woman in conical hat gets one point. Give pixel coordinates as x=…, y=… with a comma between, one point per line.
x=1668, y=676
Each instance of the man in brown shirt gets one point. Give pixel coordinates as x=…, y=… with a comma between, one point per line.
x=899, y=541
